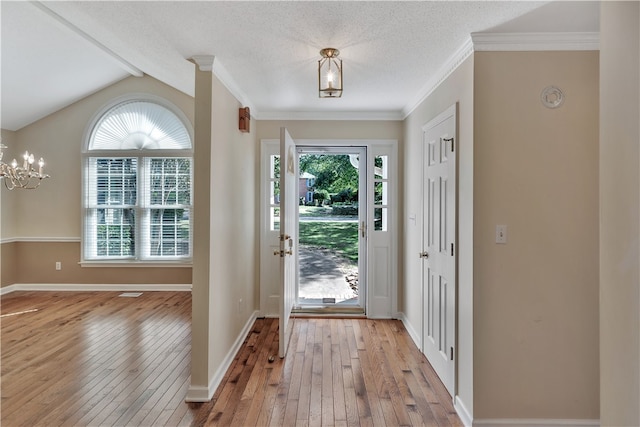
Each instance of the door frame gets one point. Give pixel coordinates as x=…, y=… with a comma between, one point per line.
x=382, y=296
x=362, y=196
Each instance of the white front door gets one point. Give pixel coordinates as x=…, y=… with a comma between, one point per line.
x=288, y=236
x=380, y=300
x=439, y=239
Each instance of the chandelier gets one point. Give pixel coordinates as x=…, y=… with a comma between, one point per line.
x=25, y=176
x=330, y=74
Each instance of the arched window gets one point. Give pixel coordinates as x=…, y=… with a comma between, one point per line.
x=137, y=185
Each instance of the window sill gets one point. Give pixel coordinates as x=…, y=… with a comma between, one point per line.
x=145, y=264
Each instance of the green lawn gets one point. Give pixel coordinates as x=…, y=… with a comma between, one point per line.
x=340, y=237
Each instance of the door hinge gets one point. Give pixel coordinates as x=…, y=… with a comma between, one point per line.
x=451, y=353
x=451, y=141
x=452, y=249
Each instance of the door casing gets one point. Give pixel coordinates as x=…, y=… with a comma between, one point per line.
x=381, y=269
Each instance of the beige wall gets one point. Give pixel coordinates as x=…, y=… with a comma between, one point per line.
x=34, y=262
x=233, y=224
x=52, y=213
x=536, y=298
x=619, y=213
x=8, y=264
x=457, y=88
x=225, y=254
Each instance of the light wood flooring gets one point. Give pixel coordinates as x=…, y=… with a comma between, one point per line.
x=94, y=358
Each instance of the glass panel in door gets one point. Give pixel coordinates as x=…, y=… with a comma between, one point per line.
x=331, y=227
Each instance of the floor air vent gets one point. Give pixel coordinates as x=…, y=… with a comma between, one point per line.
x=130, y=294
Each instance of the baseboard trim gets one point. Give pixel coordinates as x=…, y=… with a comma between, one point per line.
x=204, y=394
x=198, y=393
x=458, y=405
x=535, y=422
x=84, y=287
x=463, y=412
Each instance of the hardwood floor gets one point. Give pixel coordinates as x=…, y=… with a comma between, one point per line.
x=93, y=358
x=340, y=372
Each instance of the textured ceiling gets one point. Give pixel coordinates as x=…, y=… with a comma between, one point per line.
x=56, y=52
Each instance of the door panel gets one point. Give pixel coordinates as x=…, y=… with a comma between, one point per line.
x=288, y=236
x=439, y=266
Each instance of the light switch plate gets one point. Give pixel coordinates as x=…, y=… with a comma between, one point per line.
x=501, y=234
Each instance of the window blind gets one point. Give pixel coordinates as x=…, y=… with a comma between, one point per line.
x=138, y=207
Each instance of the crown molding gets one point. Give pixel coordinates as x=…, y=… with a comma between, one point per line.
x=329, y=115
x=454, y=61
x=535, y=41
x=477, y=42
x=227, y=81
x=204, y=62
x=483, y=42
x=210, y=63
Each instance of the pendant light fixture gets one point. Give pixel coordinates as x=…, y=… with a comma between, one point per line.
x=330, y=74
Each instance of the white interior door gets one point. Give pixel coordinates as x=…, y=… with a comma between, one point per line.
x=288, y=235
x=439, y=238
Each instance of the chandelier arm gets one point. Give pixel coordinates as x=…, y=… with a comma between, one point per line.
x=25, y=177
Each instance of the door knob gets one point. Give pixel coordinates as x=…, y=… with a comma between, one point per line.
x=424, y=254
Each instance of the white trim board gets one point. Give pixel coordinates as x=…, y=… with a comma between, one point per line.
x=84, y=287
x=331, y=115
x=452, y=64
x=535, y=422
x=41, y=240
x=535, y=41
x=478, y=42
x=463, y=412
x=205, y=394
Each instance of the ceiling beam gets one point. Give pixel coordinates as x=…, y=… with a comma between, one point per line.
x=123, y=63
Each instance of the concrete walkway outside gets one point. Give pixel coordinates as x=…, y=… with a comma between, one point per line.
x=323, y=275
